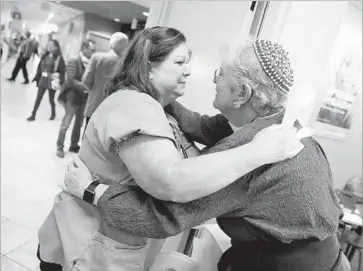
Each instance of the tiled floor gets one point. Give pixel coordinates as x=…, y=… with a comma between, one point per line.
x=29, y=170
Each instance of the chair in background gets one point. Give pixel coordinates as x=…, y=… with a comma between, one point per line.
x=355, y=243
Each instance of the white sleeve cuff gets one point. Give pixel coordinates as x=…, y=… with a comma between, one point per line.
x=99, y=191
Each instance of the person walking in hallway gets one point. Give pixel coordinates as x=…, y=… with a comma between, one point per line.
x=100, y=70
x=74, y=97
x=50, y=66
x=26, y=50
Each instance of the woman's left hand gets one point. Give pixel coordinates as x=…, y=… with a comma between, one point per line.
x=77, y=178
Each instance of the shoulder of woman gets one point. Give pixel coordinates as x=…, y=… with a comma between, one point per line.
x=133, y=103
x=128, y=111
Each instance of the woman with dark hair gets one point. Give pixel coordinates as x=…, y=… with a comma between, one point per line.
x=51, y=68
x=131, y=140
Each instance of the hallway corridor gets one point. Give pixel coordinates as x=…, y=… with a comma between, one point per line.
x=29, y=169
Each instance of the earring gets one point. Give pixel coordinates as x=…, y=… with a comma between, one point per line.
x=236, y=104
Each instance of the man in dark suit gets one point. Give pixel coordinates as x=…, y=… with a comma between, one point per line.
x=26, y=50
x=75, y=94
x=100, y=70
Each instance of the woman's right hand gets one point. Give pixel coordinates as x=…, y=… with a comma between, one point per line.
x=278, y=142
x=77, y=178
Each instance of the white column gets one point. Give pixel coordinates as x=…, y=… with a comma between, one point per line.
x=159, y=13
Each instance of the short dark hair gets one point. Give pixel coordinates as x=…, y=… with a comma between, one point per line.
x=150, y=46
x=85, y=43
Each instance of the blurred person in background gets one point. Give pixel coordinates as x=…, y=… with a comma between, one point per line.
x=354, y=185
x=74, y=97
x=26, y=50
x=100, y=71
x=51, y=65
x=35, y=48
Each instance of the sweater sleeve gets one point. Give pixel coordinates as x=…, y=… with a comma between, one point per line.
x=132, y=210
x=71, y=80
x=200, y=128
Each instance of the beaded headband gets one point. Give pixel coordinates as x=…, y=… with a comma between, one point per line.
x=275, y=63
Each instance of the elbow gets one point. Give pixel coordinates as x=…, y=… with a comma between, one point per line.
x=178, y=196
x=180, y=192
x=171, y=186
x=168, y=191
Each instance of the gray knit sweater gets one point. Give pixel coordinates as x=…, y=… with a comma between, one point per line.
x=290, y=200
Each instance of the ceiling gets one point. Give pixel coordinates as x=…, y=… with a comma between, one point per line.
x=124, y=10
x=38, y=11
x=357, y=4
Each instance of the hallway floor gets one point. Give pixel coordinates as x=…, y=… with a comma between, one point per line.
x=29, y=169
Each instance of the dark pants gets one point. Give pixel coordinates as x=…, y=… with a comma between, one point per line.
x=71, y=111
x=20, y=64
x=44, y=266
x=51, y=94
x=302, y=255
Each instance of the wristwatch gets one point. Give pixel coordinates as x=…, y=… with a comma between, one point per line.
x=89, y=193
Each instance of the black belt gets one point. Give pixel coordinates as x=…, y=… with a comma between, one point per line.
x=304, y=255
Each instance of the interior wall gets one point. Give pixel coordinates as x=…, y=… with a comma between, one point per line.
x=311, y=31
x=101, y=25
x=345, y=156
x=209, y=26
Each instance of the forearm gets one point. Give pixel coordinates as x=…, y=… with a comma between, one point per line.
x=189, y=121
x=197, y=177
x=77, y=85
x=62, y=78
x=62, y=71
x=38, y=74
x=132, y=210
x=71, y=78
x=202, y=129
x=88, y=80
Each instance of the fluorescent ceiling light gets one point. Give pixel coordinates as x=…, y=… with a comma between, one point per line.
x=50, y=16
x=145, y=13
x=117, y=20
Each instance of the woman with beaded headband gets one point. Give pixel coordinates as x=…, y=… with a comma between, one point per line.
x=252, y=210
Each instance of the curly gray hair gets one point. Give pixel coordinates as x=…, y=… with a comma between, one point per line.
x=266, y=97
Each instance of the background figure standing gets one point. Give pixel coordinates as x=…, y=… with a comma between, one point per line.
x=35, y=48
x=50, y=66
x=26, y=50
x=100, y=71
x=74, y=97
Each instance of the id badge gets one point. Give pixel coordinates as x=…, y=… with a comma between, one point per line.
x=44, y=74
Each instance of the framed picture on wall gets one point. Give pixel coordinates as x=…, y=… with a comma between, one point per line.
x=344, y=87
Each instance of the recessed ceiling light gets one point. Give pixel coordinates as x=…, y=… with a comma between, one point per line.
x=145, y=13
x=117, y=20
